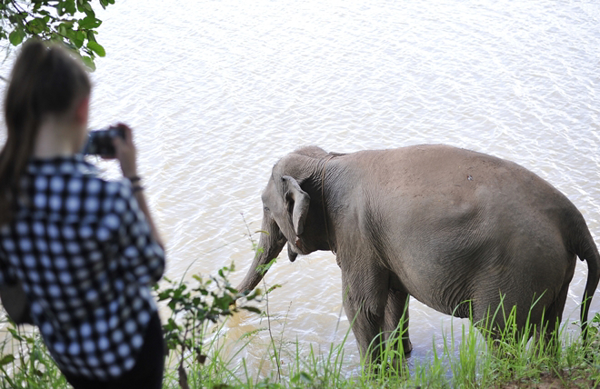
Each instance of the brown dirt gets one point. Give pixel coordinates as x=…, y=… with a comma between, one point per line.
x=548, y=381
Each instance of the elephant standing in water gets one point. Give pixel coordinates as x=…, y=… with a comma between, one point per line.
x=441, y=224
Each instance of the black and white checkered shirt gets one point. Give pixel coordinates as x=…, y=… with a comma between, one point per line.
x=83, y=250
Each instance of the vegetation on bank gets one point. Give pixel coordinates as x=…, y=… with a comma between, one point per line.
x=197, y=356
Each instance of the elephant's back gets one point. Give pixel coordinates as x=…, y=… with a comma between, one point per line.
x=442, y=173
x=457, y=187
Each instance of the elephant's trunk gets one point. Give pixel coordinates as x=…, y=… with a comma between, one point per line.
x=270, y=245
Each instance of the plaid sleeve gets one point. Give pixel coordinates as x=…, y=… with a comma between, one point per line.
x=140, y=254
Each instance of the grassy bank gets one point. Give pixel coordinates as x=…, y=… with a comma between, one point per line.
x=201, y=356
x=470, y=363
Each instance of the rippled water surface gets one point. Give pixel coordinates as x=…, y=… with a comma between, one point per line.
x=218, y=91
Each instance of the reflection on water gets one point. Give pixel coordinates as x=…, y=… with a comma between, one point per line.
x=219, y=91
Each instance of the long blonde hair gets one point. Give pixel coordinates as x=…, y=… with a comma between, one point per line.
x=45, y=79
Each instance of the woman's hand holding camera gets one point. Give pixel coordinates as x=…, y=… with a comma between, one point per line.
x=125, y=152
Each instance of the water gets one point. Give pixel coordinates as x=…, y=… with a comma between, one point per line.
x=218, y=91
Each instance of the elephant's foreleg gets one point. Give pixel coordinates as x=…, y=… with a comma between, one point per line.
x=364, y=302
x=396, y=319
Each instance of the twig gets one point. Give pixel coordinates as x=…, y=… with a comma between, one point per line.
x=270, y=332
x=183, y=381
x=283, y=329
x=249, y=233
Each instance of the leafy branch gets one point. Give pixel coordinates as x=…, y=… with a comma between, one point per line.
x=72, y=22
x=193, y=308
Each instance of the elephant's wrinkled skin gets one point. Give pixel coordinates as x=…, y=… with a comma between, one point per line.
x=442, y=224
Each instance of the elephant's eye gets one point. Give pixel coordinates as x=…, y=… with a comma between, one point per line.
x=266, y=209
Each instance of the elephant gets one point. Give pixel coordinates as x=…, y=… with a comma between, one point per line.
x=458, y=230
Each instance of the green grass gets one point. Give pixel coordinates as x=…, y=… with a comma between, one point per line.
x=474, y=362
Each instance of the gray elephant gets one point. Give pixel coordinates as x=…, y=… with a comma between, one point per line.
x=442, y=224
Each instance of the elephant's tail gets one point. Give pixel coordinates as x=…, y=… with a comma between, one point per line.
x=587, y=250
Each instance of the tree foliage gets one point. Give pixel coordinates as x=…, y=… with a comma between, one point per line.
x=72, y=22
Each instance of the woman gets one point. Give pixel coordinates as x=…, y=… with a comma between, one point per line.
x=85, y=250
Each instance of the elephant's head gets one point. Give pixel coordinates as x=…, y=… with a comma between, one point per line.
x=292, y=211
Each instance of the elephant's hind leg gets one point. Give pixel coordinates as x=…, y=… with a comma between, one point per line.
x=395, y=324
x=549, y=328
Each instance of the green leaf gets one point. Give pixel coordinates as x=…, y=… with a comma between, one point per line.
x=37, y=25
x=89, y=22
x=303, y=378
x=92, y=38
x=252, y=309
x=16, y=37
x=17, y=18
x=70, y=6
x=62, y=29
x=79, y=4
x=89, y=62
x=9, y=358
x=272, y=288
x=77, y=38
x=96, y=48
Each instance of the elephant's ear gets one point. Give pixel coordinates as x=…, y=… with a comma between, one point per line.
x=301, y=203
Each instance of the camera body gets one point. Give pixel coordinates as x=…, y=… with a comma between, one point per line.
x=100, y=141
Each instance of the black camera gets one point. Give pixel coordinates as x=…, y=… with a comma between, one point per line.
x=100, y=141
